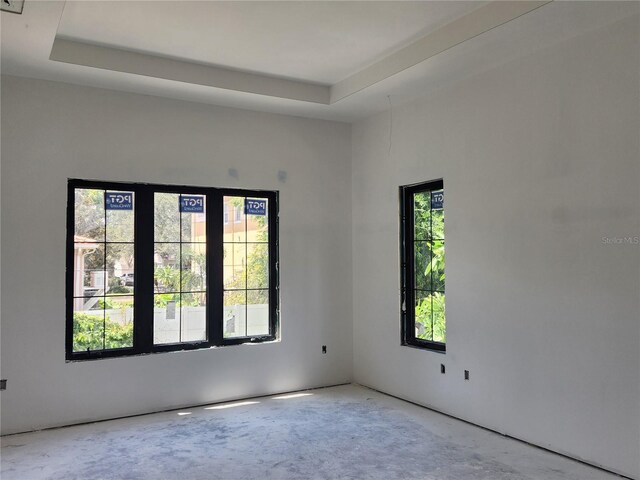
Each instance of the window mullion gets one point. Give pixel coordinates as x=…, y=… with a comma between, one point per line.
x=215, y=266
x=143, y=260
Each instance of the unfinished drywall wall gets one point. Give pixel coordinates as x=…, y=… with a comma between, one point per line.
x=52, y=131
x=541, y=165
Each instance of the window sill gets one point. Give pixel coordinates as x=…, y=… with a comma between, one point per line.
x=427, y=347
x=111, y=354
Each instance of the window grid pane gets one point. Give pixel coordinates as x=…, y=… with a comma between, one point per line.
x=102, y=251
x=246, y=268
x=180, y=308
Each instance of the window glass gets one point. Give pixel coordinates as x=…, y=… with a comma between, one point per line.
x=103, y=269
x=246, y=269
x=180, y=265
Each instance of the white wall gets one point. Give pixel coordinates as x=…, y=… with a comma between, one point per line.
x=541, y=160
x=52, y=131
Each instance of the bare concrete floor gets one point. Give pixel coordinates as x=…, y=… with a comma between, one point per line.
x=346, y=432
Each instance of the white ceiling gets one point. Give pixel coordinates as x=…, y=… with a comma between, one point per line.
x=318, y=41
x=344, y=60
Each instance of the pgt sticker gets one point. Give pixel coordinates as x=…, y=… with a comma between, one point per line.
x=191, y=204
x=437, y=200
x=118, y=200
x=255, y=207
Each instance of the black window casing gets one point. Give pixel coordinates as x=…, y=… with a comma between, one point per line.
x=144, y=267
x=407, y=266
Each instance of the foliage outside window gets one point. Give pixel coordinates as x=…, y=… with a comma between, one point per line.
x=423, y=265
x=153, y=268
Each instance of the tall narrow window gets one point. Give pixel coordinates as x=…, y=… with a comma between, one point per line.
x=423, y=262
x=180, y=264
x=103, y=270
x=246, y=269
x=153, y=268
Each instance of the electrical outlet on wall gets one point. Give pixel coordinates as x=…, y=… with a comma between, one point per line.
x=324, y=349
x=3, y=384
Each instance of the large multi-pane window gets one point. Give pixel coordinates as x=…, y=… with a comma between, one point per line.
x=422, y=269
x=155, y=267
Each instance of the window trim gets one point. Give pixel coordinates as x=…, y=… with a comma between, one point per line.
x=144, y=267
x=407, y=280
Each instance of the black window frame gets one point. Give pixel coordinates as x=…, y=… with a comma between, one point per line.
x=144, y=267
x=407, y=266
